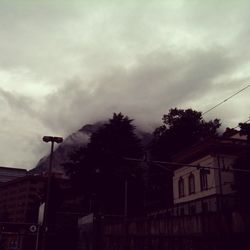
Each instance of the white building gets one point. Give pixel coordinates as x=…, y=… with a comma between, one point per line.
x=198, y=189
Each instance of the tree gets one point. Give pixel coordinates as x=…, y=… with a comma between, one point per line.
x=112, y=142
x=245, y=130
x=180, y=129
x=99, y=170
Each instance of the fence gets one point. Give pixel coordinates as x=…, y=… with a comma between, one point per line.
x=199, y=232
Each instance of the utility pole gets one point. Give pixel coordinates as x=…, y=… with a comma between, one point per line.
x=47, y=139
x=126, y=198
x=220, y=202
x=126, y=213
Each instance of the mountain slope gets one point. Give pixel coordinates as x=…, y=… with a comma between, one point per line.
x=73, y=142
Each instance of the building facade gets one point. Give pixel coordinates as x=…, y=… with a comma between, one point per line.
x=19, y=199
x=8, y=174
x=206, y=183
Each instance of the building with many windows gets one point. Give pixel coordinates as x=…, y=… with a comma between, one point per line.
x=206, y=182
x=20, y=197
x=7, y=173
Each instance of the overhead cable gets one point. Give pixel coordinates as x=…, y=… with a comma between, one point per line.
x=189, y=165
x=220, y=103
x=242, y=123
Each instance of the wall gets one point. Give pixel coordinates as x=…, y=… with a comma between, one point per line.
x=184, y=172
x=201, y=232
x=227, y=178
x=224, y=162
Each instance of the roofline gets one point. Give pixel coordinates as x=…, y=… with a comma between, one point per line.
x=30, y=177
x=22, y=178
x=207, y=147
x=10, y=168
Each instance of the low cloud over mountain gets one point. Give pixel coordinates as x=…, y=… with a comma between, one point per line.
x=64, y=64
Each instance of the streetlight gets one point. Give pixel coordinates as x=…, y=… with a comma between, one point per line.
x=47, y=139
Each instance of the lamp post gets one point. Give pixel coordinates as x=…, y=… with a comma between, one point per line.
x=53, y=140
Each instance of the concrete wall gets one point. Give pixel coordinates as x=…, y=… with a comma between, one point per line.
x=210, y=232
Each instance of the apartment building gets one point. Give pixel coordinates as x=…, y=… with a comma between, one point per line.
x=8, y=174
x=20, y=198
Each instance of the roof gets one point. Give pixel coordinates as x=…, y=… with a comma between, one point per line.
x=229, y=146
x=13, y=169
x=22, y=179
x=8, y=173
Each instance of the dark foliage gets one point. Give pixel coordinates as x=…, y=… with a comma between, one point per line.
x=180, y=129
x=56, y=199
x=99, y=170
x=229, y=132
x=245, y=130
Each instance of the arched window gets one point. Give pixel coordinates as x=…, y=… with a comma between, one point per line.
x=191, y=184
x=181, y=187
x=203, y=179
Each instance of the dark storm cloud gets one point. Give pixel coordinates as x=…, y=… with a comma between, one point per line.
x=157, y=82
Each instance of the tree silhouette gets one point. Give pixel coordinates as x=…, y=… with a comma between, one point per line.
x=99, y=170
x=180, y=129
x=245, y=130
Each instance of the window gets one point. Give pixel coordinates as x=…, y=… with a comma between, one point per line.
x=181, y=187
x=204, y=207
x=182, y=211
x=192, y=210
x=203, y=180
x=191, y=184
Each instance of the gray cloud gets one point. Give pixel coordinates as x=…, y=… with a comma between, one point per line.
x=158, y=82
x=64, y=64
x=17, y=103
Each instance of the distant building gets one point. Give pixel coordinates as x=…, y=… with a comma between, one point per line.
x=20, y=197
x=197, y=190
x=8, y=174
x=20, y=200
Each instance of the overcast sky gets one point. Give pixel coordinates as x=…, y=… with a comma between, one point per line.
x=65, y=64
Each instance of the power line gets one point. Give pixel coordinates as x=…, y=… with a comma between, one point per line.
x=242, y=123
x=197, y=166
x=220, y=103
x=163, y=167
